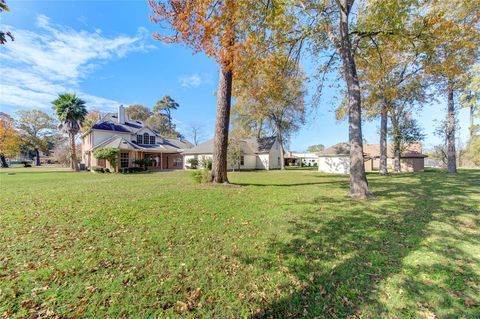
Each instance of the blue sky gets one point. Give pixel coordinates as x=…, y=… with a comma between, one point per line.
x=103, y=51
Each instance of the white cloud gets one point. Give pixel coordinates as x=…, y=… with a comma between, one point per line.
x=39, y=65
x=190, y=81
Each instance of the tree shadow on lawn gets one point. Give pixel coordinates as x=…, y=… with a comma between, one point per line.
x=337, y=182
x=338, y=261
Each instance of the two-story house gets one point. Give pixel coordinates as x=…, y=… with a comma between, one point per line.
x=135, y=140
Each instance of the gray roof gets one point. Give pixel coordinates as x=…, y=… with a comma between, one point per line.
x=118, y=142
x=340, y=149
x=109, y=122
x=249, y=146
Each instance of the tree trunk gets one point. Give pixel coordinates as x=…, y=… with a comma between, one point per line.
x=451, y=155
x=37, y=157
x=220, y=142
x=472, y=123
x=259, y=132
x=3, y=161
x=73, y=153
x=397, y=167
x=358, y=179
x=397, y=139
x=383, y=140
x=280, y=144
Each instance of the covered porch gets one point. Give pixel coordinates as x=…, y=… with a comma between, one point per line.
x=157, y=161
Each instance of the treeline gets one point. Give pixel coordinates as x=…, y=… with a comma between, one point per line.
x=393, y=56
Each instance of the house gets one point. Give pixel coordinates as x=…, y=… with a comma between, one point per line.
x=297, y=159
x=257, y=153
x=411, y=159
x=135, y=140
x=336, y=160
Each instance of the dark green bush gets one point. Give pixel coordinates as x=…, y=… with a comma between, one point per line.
x=193, y=163
x=98, y=169
x=207, y=163
x=26, y=163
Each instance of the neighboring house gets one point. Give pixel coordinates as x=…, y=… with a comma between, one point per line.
x=411, y=159
x=297, y=159
x=336, y=160
x=257, y=153
x=135, y=140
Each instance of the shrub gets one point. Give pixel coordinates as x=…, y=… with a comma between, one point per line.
x=204, y=175
x=126, y=170
x=193, y=163
x=315, y=164
x=98, y=169
x=26, y=163
x=107, y=153
x=207, y=163
x=201, y=176
x=106, y=170
x=143, y=163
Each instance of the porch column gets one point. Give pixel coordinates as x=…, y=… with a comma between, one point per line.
x=161, y=161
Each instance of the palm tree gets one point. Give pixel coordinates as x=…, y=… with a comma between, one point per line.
x=166, y=104
x=71, y=112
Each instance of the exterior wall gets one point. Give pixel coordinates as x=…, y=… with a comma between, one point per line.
x=412, y=164
x=262, y=161
x=100, y=136
x=408, y=164
x=274, y=156
x=334, y=164
x=250, y=162
x=368, y=164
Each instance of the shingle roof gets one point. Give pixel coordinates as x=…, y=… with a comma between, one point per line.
x=249, y=146
x=411, y=150
x=202, y=148
x=110, y=123
x=337, y=149
x=118, y=142
x=372, y=150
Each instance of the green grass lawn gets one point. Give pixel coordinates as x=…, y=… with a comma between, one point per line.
x=275, y=244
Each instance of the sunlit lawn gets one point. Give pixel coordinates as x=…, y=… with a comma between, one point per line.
x=275, y=244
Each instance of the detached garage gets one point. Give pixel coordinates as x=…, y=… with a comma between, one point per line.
x=336, y=160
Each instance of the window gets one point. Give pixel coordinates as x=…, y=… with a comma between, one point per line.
x=145, y=138
x=177, y=161
x=123, y=160
x=278, y=161
x=152, y=139
x=139, y=139
x=242, y=160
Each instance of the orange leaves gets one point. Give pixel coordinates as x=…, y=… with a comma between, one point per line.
x=9, y=138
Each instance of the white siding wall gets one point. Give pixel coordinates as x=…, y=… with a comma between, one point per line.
x=262, y=161
x=274, y=155
x=250, y=162
x=334, y=164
